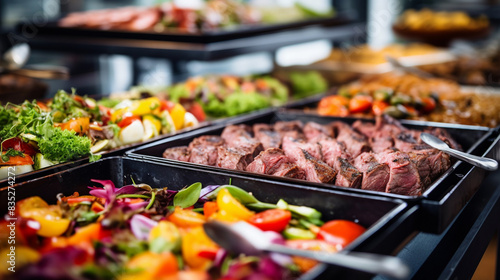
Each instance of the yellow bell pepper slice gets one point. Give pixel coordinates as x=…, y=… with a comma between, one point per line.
x=177, y=113
x=230, y=207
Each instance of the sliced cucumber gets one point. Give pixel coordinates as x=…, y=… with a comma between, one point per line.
x=42, y=162
x=99, y=146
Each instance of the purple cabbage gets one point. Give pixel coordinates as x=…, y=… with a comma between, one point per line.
x=206, y=191
x=141, y=226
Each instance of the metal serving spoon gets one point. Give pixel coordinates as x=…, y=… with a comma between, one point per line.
x=16, y=56
x=244, y=238
x=485, y=163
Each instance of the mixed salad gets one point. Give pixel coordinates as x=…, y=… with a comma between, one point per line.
x=138, y=232
x=227, y=95
x=36, y=134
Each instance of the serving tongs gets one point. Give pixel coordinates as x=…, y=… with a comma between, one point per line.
x=242, y=237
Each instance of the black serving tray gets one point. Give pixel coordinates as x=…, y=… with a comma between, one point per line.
x=441, y=202
x=207, y=36
x=389, y=222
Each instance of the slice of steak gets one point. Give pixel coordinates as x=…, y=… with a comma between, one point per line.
x=290, y=128
x=265, y=134
x=313, y=131
x=375, y=175
x=356, y=142
x=336, y=156
x=420, y=160
x=290, y=170
x=315, y=170
x=381, y=142
x=404, y=178
x=268, y=161
x=365, y=128
x=445, y=136
x=347, y=175
x=181, y=153
x=232, y=158
x=238, y=137
x=233, y=133
x=331, y=149
x=204, y=149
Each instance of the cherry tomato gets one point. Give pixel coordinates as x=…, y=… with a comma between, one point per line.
x=340, y=232
x=78, y=125
x=42, y=106
x=18, y=160
x=378, y=107
x=209, y=208
x=166, y=105
x=335, y=105
x=127, y=119
x=360, y=103
x=429, y=104
x=197, y=112
x=19, y=145
x=272, y=219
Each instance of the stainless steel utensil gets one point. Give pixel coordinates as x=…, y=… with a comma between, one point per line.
x=244, y=238
x=485, y=163
x=16, y=56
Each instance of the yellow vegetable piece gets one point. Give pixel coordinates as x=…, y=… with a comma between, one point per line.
x=166, y=230
x=230, y=206
x=154, y=121
x=177, y=113
x=118, y=114
x=50, y=219
x=51, y=222
x=194, y=242
x=145, y=106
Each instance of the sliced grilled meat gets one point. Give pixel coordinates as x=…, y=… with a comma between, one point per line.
x=233, y=158
x=204, y=149
x=315, y=170
x=313, y=131
x=356, y=142
x=404, y=178
x=268, y=161
x=267, y=136
x=336, y=156
x=292, y=129
x=375, y=175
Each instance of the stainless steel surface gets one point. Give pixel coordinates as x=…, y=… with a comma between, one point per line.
x=485, y=163
x=244, y=238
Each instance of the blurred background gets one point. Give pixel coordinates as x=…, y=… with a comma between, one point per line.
x=95, y=73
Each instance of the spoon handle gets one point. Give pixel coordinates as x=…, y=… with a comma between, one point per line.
x=485, y=163
x=371, y=263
